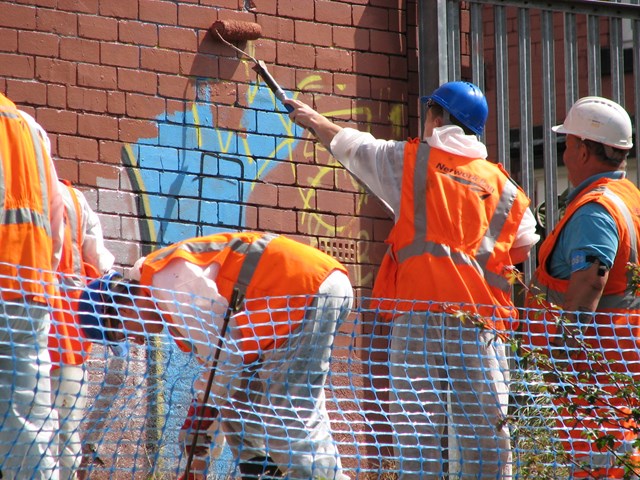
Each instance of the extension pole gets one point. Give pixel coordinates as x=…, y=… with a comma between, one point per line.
x=212, y=374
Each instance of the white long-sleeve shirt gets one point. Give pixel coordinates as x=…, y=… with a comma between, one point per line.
x=189, y=294
x=378, y=165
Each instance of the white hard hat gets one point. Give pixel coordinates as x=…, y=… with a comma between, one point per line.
x=598, y=119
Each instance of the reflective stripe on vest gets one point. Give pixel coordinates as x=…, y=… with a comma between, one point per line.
x=252, y=253
x=418, y=246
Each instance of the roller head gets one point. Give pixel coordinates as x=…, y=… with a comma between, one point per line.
x=235, y=30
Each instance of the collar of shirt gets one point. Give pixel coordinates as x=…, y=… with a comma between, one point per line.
x=617, y=175
x=452, y=139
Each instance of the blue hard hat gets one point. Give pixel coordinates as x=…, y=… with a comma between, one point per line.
x=93, y=305
x=463, y=100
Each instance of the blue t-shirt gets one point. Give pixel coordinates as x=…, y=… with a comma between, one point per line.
x=590, y=232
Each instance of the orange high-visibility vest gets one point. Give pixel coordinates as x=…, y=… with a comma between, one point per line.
x=258, y=265
x=616, y=334
x=25, y=222
x=66, y=343
x=458, y=220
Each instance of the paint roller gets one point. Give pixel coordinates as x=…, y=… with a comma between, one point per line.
x=228, y=31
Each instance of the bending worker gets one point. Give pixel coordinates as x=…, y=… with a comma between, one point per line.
x=457, y=217
x=268, y=388
x=584, y=270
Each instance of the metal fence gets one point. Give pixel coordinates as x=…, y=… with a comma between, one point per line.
x=534, y=59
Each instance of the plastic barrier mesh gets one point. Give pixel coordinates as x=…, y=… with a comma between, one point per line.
x=427, y=398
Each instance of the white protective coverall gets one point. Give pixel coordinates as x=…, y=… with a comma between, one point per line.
x=426, y=351
x=275, y=407
x=69, y=382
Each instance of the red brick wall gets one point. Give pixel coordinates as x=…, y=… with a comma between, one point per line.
x=102, y=75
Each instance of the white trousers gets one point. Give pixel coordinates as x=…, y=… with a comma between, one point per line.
x=27, y=420
x=282, y=413
x=69, y=397
x=448, y=374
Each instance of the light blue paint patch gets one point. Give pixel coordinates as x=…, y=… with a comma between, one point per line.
x=178, y=184
x=250, y=121
x=191, y=161
x=222, y=189
x=259, y=146
x=211, y=230
x=177, y=230
x=270, y=123
x=230, y=213
x=189, y=209
x=221, y=141
x=157, y=157
x=178, y=136
x=204, y=113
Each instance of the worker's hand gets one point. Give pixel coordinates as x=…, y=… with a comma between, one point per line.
x=302, y=114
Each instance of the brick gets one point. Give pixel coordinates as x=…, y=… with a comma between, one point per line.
x=85, y=6
x=98, y=126
x=17, y=16
x=387, y=42
x=36, y=43
x=332, y=12
x=309, y=222
x=58, y=121
x=334, y=59
x=116, y=103
x=55, y=71
x=350, y=38
x=144, y=106
x=98, y=28
x=79, y=50
x=17, y=65
x=296, y=55
x=294, y=198
x=371, y=17
x=199, y=65
x=313, y=33
x=119, y=55
x=67, y=170
x=132, y=131
x=78, y=148
x=371, y=63
x=335, y=202
x=272, y=219
x=97, y=76
x=399, y=68
x=61, y=23
x=102, y=176
x=137, y=81
x=279, y=28
x=172, y=86
x=314, y=80
x=8, y=40
x=314, y=176
x=110, y=152
x=351, y=85
x=155, y=11
x=264, y=194
x=29, y=92
x=138, y=33
x=56, y=96
x=178, y=38
x=195, y=16
x=160, y=60
x=119, y=9
x=299, y=9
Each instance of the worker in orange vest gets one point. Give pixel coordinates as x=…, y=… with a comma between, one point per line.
x=31, y=232
x=84, y=256
x=584, y=271
x=460, y=224
x=268, y=389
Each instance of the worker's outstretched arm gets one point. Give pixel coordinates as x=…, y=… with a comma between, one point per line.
x=305, y=116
